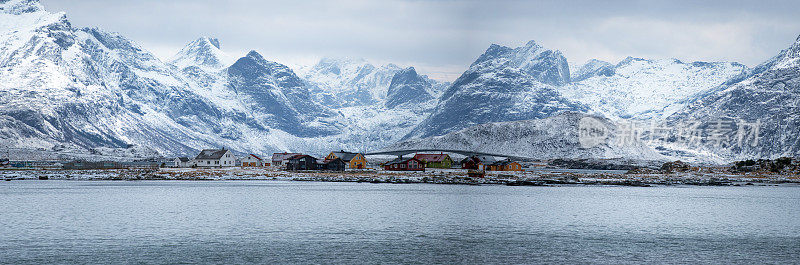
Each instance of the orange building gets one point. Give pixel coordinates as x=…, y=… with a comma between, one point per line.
x=504, y=165
x=353, y=160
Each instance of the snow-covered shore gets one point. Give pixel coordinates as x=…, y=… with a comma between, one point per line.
x=432, y=176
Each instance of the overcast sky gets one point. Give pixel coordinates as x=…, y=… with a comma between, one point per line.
x=441, y=38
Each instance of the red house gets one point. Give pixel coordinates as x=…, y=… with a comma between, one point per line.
x=401, y=164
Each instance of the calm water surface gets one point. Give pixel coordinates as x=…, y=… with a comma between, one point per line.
x=303, y=222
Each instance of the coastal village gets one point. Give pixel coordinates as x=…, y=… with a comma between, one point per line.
x=437, y=168
x=335, y=161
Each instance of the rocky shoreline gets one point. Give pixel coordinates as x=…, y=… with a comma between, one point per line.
x=453, y=177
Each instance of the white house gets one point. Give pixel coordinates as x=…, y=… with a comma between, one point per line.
x=183, y=162
x=252, y=160
x=215, y=158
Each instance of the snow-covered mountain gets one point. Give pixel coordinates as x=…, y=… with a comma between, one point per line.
x=592, y=68
x=345, y=82
x=204, y=52
x=79, y=88
x=767, y=98
x=548, y=138
x=409, y=88
x=645, y=89
x=503, y=84
x=86, y=89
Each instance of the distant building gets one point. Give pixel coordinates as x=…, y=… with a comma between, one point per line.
x=301, y=162
x=404, y=164
x=141, y=164
x=504, y=165
x=252, y=160
x=279, y=159
x=215, y=158
x=332, y=165
x=80, y=164
x=34, y=164
x=183, y=162
x=435, y=160
x=353, y=160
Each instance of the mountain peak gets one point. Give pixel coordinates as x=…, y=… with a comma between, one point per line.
x=409, y=70
x=204, y=52
x=254, y=55
x=407, y=87
x=18, y=7
x=593, y=67
x=532, y=43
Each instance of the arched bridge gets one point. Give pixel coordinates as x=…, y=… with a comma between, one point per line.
x=460, y=152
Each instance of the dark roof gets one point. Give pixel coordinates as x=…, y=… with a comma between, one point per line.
x=345, y=156
x=256, y=156
x=486, y=160
x=296, y=157
x=283, y=156
x=431, y=157
x=183, y=159
x=211, y=154
x=400, y=161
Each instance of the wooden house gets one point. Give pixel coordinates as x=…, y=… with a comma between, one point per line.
x=301, y=162
x=353, y=160
x=504, y=165
x=404, y=164
x=435, y=160
x=215, y=158
x=279, y=159
x=252, y=160
x=332, y=165
x=477, y=162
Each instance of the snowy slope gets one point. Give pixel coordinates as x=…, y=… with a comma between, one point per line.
x=645, y=89
x=344, y=82
x=549, y=138
x=769, y=96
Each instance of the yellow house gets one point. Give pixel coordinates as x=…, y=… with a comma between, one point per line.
x=353, y=160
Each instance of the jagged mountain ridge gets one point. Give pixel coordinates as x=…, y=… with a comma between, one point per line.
x=345, y=82
x=87, y=88
x=408, y=87
x=503, y=84
x=82, y=89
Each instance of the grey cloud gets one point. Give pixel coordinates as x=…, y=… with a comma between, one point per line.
x=443, y=37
